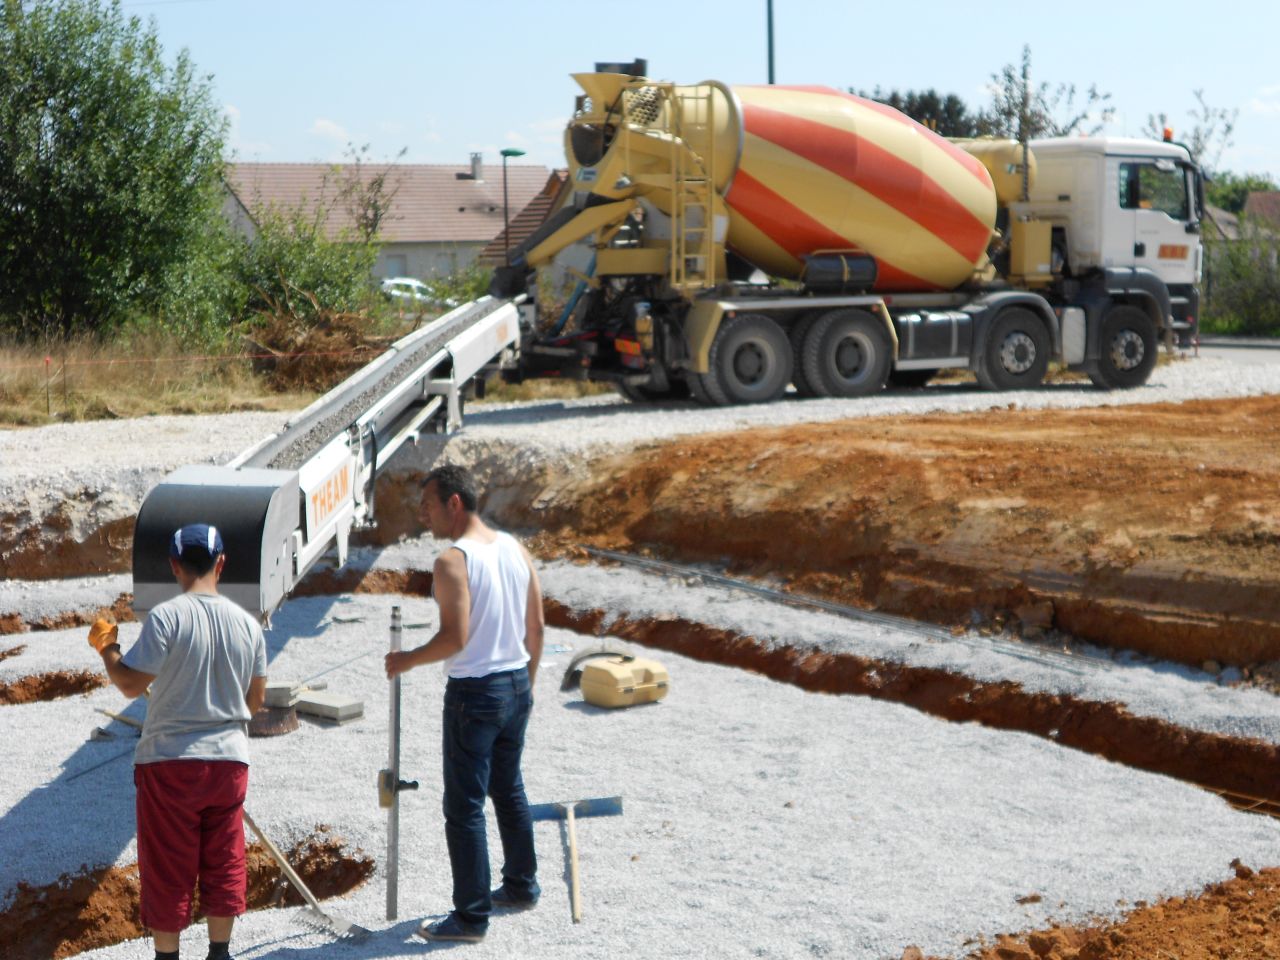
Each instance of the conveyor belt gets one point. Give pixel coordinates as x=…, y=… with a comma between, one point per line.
x=333, y=413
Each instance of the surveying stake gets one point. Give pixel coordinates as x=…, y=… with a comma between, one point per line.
x=390, y=784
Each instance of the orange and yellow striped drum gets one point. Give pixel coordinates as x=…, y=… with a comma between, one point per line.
x=824, y=170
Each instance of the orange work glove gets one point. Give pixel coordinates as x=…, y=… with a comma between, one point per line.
x=102, y=634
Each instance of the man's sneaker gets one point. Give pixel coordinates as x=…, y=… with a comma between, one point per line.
x=504, y=898
x=451, y=928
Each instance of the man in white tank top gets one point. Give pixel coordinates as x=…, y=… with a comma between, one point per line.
x=490, y=639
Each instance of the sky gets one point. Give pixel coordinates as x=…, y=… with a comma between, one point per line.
x=299, y=80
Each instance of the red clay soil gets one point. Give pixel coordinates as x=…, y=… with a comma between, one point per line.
x=97, y=908
x=1239, y=918
x=121, y=611
x=50, y=686
x=1154, y=528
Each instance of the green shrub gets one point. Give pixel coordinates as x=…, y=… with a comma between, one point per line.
x=1242, y=288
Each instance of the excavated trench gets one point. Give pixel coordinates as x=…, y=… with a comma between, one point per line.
x=99, y=907
x=1150, y=528
x=1243, y=770
x=53, y=685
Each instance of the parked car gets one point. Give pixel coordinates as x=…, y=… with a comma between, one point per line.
x=406, y=288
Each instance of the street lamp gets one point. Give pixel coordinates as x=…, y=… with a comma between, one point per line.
x=506, y=222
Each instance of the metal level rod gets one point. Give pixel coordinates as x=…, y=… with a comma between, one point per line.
x=393, y=765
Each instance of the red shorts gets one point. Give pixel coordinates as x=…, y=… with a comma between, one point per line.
x=190, y=828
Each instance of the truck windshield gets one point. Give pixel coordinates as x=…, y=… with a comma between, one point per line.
x=1144, y=186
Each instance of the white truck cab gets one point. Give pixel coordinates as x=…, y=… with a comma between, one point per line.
x=1124, y=203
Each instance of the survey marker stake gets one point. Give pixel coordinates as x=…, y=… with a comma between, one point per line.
x=599, y=807
x=390, y=784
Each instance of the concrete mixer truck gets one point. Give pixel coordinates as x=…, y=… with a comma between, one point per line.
x=743, y=239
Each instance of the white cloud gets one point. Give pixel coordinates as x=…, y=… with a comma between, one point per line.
x=236, y=144
x=518, y=139
x=330, y=131
x=1265, y=107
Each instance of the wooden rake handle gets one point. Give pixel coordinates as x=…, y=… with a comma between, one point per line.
x=575, y=893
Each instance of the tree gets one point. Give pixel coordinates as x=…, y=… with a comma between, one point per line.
x=1211, y=131
x=946, y=115
x=367, y=197
x=1020, y=110
x=110, y=164
x=1230, y=190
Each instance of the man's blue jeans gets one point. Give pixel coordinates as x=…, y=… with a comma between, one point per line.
x=484, y=724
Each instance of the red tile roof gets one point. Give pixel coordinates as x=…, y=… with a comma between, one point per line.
x=431, y=203
x=527, y=220
x=1264, y=205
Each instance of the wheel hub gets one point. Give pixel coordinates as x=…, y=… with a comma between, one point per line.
x=750, y=363
x=851, y=359
x=1018, y=352
x=1127, y=350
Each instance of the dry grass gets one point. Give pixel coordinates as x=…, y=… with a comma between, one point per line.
x=87, y=380
x=551, y=389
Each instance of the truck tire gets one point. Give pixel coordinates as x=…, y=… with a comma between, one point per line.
x=910, y=379
x=696, y=389
x=847, y=353
x=678, y=390
x=1127, y=349
x=1015, y=355
x=750, y=361
x=799, y=330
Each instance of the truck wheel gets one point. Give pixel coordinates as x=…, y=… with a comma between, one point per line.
x=911, y=378
x=696, y=388
x=847, y=353
x=799, y=330
x=678, y=390
x=1127, y=349
x=1016, y=354
x=750, y=361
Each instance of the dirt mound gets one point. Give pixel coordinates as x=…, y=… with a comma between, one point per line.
x=50, y=686
x=1153, y=528
x=1238, y=918
x=97, y=908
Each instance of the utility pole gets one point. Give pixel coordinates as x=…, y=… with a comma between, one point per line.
x=507, y=154
x=769, y=7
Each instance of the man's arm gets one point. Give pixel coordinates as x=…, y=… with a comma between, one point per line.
x=256, y=696
x=454, y=599
x=534, y=620
x=132, y=683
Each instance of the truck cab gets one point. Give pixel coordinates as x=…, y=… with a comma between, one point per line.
x=1123, y=204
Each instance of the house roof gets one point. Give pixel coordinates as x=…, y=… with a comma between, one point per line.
x=1220, y=223
x=432, y=204
x=524, y=223
x=1264, y=205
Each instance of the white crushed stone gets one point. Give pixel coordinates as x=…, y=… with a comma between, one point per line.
x=572, y=427
x=759, y=819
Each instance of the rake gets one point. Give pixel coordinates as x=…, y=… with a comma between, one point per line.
x=310, y=914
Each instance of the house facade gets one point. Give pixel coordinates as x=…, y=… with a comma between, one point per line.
x=439, y=218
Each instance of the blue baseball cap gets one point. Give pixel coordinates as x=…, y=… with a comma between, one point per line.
x=197, y=536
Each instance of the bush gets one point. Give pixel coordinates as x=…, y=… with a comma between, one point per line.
x=1242, y=288
x=109, y=165
x=292, y=265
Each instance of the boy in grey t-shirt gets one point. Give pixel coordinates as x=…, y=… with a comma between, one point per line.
x=205, y=661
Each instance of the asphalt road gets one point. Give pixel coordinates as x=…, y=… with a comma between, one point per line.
x=1245, y=350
